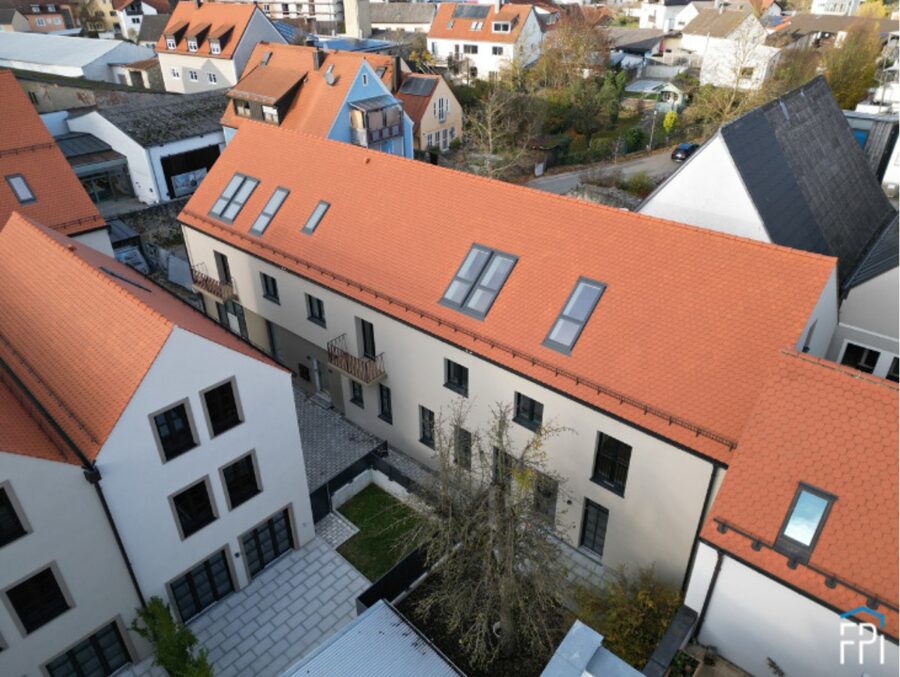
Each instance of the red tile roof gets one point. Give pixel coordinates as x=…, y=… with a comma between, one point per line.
x=215, y=16
x=27, y=148
x=80, y=330
x=687, y=326
x=447, y=27
x=836, y=429
x=21, y=432
x=416, y=105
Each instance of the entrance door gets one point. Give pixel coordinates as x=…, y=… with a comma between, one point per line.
x=320, y=378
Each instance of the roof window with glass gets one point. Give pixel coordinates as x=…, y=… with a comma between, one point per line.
x=478, y=281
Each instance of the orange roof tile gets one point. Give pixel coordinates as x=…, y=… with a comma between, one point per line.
x=836, y=429
x=688, y=323
x=417, y=105
x=316, y=104
x=27, y=148
x=446, y=26
x=22, y=433
x=80, y=330
x=216, y=17
x=266, y=84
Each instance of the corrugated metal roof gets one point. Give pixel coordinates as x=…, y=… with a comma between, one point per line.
x=378, y=643
x=374, y=103
x=77, y=143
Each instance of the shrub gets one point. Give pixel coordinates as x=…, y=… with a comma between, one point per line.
x=639, y=184
x=601, y=148
x=578, y=149
x=635, y=139
x=632, y=612
x=172, y=642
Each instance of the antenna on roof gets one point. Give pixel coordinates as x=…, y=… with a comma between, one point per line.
x=266, y=57
x=329, y=75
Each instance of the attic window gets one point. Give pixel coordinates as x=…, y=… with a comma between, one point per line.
x=501, y=27
x=574, y=315
x=476, y=26
x=262, y=221
x=450, y=23
x=170, y=43
x=192, y=44
x=215, y=47
x=20, y=188
x=317, y=213
x=804, y=522
x=236, y=193
x=478, y=281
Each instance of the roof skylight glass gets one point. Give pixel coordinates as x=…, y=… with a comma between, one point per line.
x=574, y=315
x=479, y=279
x=232, y=199
x=317, y=213
x=20, y=188
x=804, y=520
x=262, y=221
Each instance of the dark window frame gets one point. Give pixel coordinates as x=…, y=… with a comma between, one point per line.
x=27, y=201
x=426, y=426
x=476, y=283
x=193, y=526
x=8, y=505
x=240, y=494
x=866, y=350
x=269, y=210
x=367, y=339
x=456, y=377
x=315, y=310
x=188, y=578
x=462, y=452
x=267, y=526
x=72, y=660
x=611, y=450
x=562, y=347
x=35, y=618
x=793, y=549
x=385, y=413
x=183, y=444
x=893, y=372
x=217, y=427
x=528, y=412
x=269, y=288
x=315, y=217
x=219, y=214
x=356, y=394
x=582, y=543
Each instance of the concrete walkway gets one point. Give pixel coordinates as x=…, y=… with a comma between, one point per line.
x=288, y=610
x=657, y=166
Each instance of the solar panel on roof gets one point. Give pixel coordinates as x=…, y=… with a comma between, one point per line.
x=471, y=11
x=73, y=145
x=416, y=86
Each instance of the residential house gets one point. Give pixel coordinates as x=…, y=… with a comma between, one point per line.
x=631, y=48
x=412, y=17
x=130, y=14
x=339, y=280
x=778, y=179
x=660, y=14
x=835, y=7
x=152, y=27
x=173, y=466
x=143, y=74
x=67, y=56
x=103, y=172
x=797, y=528
x=876, y=134
x=169, y=141
x=344, y=96
x=11, y=19
x=478, y=41
x=37, y=180
x=436, y=114
x=764, y=10
x=325, y=17
x=46, y=17
x=817, y=30
x=207, y=47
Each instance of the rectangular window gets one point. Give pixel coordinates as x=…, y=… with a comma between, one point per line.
x=574, y=315
x=497, y=51
x=192, y=44
x=545, y=494
x=194, y=508
x=270, y=114
x=233, y=197
x=270, y=287
x=242, y=108
x=222, y=408
x=611, y=463
x=211, y=78
x=176, y=74
x=170, y=44
x=241, y=481
x=268, y=213
x=501, y=27
x=303, y=372
x=203, y=585
x=893, y=373
x=356, y=394
x=173, y=428
x=503, y=464
x=99, y=655
x=478, y=281
x=315, y=310
x=192, y=76
x=426, y=427
x=367, y=334
x=11, y=527
x=529, y=412
x=804, y=522
x=462, y=448
x=38, y=600
x=593, y=527
x=318, y=213
x=385, y=410
x=860, y=357
x=222, y=268
x=456, y=377
x=470, y=49
x=215, y=47
x=20, y=188
x=267, y=542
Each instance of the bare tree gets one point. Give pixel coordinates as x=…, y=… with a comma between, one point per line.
x=497, y=580
x=575, y=49
x=850, y=67
x=499, y=129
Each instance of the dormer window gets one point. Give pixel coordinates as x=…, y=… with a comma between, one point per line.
x=804, y=522
x=450, y=23
x=502, y=27
x=215, y=47
x=242, y=108
x=192, y=44
x=35, y=9
x=51, y=8
x=476, y=25
x=270, y=114
x=170, y=43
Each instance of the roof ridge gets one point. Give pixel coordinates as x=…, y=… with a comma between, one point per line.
x=835, y=367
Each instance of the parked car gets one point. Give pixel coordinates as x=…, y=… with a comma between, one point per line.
x=683, y=151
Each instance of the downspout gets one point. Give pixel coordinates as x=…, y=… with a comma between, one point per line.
x=707, y=503
x=709, y=594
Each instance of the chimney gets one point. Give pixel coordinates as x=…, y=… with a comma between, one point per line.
x=318, y=56
x=357, y=23
x=497, y=5
x=395, y=80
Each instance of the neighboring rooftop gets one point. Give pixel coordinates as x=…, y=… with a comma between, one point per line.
x=161, y=6
x=17, y=50
x=581, y=654
x=804, y=24
x=225, y=21
x=152, y=26
x=633, y=39
x=761, y=300
x=715, y=24
x=460, y=21
x=415, y=93
x=833, y=429
x=881, y=256
x=402, y=12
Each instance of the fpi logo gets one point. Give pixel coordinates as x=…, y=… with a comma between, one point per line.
x=861, y=634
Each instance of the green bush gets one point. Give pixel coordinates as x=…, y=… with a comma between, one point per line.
x=172, y=642
x=635, y=139
x=578, y=149
x=601, y=148
x=639, y=184
x=469, y=95
x=556, y=115
x=632, y=612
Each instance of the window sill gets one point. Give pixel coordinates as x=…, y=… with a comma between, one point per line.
x=358, y=403
x=386, y=419
x=273, y=299
x=459, y=390
x=316, y=320
x=525, y=423
x=612, y=488
x=590, y=554
x=428, y=443
x=167, y=458
x=232, y=506
x=216, y=433
x=185, y=536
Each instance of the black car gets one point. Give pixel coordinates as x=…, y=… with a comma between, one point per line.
x=683, y=151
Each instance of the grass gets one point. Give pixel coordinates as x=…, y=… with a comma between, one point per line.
x=384, y=524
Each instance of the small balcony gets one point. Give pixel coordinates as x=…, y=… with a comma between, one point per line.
x=375, y=120
x=366, y=370
x=205, y=282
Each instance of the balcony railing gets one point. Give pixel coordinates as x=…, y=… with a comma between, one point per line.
x=203, y=280
x=362, y=136
x=366, y=370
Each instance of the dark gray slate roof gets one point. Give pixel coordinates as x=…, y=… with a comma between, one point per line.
x=402, y=12
x=152, y=27
x=7, y=14
x=76, y=144
x=882, y=256
x=808, y=177
x=155, y=119
x=880, y=133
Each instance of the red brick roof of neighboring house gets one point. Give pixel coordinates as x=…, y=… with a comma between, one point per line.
x=316, y=103
x=833, y=428
x=28, y=149
x=688, y=324
x=446, y=26
x=416, y=105
x=144, y=64
x=161, y=6
x=80, y=330
x=211, y=19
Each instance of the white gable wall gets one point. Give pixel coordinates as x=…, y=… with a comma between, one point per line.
x=258, y=30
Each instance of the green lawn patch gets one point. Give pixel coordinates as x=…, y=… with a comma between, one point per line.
x=384, y=524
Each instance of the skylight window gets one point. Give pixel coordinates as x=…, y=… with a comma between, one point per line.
x=20, y=188
x=317, y=213
x=478, y=281
x=236, y=193
x=804, y=522
x=574, y=315
x=262, y=221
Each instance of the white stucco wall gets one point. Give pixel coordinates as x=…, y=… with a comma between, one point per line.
x=258, y=30
x=752, y=617
x=822, y=323
x=97, y=239
x=657, y=15
x=66, y=527
x=138, y=483
x=725, y=61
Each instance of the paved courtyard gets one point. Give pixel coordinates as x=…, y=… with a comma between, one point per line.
x=288, y=610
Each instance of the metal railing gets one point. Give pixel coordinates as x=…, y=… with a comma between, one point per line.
x=366, y=370
x=211, y=285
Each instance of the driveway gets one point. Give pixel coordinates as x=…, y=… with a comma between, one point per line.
x=657, y=166
x=294, y=605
